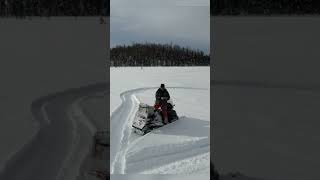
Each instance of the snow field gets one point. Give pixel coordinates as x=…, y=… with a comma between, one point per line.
x=171, y=146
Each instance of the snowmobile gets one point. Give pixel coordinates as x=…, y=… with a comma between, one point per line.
x=148, y=118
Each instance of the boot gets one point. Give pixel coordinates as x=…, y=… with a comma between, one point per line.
x=165, y=120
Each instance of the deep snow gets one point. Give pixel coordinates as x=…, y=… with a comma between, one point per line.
x=179, y=148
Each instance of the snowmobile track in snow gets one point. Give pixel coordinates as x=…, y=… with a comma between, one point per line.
x=49, y=151
x=121, y=121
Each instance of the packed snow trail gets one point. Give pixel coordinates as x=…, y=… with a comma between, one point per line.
x=122, y=140
x=120, y=123
x=48, y=152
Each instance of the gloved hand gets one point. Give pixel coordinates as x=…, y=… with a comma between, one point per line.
x=156, y=106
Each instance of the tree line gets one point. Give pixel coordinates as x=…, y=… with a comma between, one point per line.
x=264, y=7
x=24, y=8
x=151, y=54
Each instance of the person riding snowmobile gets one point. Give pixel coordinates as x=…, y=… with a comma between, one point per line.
x=162, y=96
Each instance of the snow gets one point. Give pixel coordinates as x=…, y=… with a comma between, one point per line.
x=120, y=81
x=266, y=102
x=178, y=148
x=39, y=58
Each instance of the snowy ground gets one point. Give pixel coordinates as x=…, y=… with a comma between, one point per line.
x=39, y=58
x=179, y=148
x=266, y=100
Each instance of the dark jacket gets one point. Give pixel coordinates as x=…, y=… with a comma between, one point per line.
x=162, y=93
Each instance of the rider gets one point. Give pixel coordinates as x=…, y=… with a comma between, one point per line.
x=162, y=96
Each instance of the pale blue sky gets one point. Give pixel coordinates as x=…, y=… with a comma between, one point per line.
x=183, y=22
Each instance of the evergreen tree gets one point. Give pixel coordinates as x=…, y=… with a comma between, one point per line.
x=151, y=54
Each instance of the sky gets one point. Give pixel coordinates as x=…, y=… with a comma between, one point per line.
x=182, y=22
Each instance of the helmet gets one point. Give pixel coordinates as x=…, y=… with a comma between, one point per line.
x=162, y=86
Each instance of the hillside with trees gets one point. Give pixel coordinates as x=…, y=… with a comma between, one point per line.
x=151, y=54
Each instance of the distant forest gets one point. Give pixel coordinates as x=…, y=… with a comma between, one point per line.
x=151, y=54
x=264, y=7
x=25, y=8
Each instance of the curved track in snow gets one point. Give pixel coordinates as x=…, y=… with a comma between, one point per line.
x=166, y=157
x=47, y=155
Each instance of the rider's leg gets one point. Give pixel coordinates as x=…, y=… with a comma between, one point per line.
x=164, y=113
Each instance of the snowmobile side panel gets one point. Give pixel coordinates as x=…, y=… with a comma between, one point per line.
x=141, y=117
x=139, y=123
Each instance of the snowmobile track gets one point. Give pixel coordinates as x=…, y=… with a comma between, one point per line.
x=41, y=152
